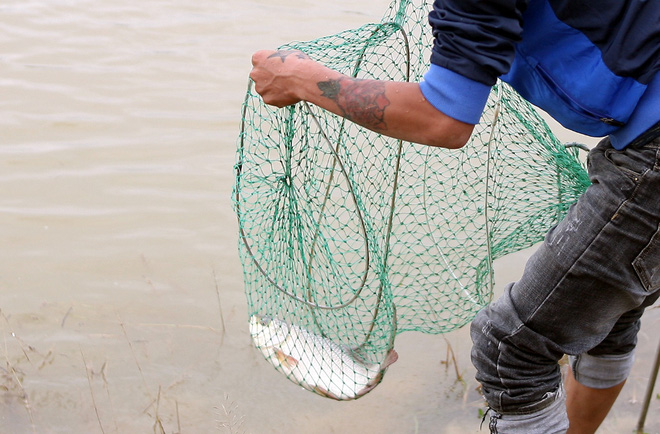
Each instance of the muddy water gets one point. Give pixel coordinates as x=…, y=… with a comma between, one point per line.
x=120, y=288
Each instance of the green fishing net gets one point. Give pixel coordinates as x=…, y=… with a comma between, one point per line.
x=348, y=237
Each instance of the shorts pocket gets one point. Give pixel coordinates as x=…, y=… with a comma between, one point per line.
x=629, y=162
x=647, y=264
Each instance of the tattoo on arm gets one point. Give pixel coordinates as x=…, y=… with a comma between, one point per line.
x=283, y=54
x=361, y=101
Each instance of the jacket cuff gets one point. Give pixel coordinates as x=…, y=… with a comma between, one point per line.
x=456, y=96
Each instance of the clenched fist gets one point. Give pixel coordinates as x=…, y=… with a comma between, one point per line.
x=279, y=76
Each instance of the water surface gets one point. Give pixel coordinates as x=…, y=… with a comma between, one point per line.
x=121, y=296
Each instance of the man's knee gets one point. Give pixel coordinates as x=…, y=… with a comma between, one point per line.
x=516, y=367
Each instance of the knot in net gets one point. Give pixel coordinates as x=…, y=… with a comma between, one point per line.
x=348, y=237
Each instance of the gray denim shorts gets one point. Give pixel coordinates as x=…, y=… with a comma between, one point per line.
x=583, y=291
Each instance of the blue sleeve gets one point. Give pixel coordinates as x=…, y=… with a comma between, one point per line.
x=476, y=38
x=455, y=95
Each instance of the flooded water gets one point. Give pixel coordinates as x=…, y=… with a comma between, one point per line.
x=121, y=297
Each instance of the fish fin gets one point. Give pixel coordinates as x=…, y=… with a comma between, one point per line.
x=323, y=392
x=285, y=360
x=391, y=357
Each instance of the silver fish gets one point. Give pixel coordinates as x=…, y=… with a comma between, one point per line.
x=316, y=363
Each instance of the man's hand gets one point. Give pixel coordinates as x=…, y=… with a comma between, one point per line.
x=278, y=75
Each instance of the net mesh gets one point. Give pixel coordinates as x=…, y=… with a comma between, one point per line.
x=348, y=237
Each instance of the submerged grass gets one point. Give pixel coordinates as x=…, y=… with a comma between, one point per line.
x=230, y=420
x=15, y=379
x=91, y=391
x=22, y=359
x=162, y=403
x=222, y=318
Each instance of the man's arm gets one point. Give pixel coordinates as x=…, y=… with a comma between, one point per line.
x=395, y=109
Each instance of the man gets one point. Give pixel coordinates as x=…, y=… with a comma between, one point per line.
x=593, y=65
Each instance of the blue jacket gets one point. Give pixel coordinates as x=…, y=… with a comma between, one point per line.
x=591, y=64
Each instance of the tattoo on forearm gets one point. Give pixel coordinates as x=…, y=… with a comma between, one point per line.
x=361, y=101
x=283, y=54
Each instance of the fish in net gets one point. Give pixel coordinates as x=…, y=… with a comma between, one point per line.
x=348, y=237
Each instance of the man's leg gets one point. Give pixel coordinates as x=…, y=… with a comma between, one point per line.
x=587, y=406
x=602, y=261
x=594, y=379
